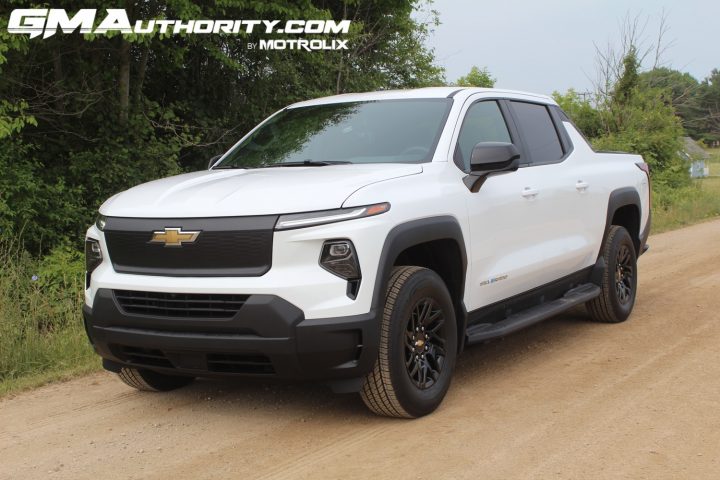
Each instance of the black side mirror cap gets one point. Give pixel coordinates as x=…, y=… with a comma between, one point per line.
x=213, y=160
x=493, y=156
x=489, y=158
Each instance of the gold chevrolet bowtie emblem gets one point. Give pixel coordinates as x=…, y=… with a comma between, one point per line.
x=174, y=237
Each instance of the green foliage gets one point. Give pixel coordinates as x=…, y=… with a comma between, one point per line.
x=629, y=80
x=696, y=103
x=646, y=124
x=477, y=78
x=41, y=333
x=637, y=117
x=85, y=116
x=586, y=117
x=679, y=207
x=707, y=102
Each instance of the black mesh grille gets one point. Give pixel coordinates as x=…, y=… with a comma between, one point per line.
x=216, y=362
x=179, y=305
x=233, y=246
x=230, y=363
x=145, y=356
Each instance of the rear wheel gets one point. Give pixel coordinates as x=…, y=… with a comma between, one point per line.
x=149, y=381
x=418, y=346
x=619, y=282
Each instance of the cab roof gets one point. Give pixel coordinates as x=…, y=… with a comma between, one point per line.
x=429, y=92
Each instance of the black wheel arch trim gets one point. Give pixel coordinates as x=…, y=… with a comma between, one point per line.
x=416, y=232
x=622, y=197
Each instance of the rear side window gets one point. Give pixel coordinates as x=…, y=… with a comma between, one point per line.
x=538, y=131
x=483, y=123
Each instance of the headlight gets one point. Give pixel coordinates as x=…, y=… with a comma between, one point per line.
x=339, y=257
x=311, y=219
x=100, y=222
x=93, y=258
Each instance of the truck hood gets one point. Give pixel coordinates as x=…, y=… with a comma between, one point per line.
x=262, y=191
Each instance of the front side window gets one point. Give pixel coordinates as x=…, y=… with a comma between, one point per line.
x=483, y=122
x=384, y=131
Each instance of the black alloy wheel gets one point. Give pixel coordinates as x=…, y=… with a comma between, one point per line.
x=624, y=272
x=425, y=340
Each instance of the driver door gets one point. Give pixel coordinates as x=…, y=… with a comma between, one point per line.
x=506, y=216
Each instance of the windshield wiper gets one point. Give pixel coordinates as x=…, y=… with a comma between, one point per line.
x=304, y=163
x=308, y=163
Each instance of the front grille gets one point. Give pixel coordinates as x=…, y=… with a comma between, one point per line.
x=230, y=246
x=145, y=356
x=180, y=305
x=226, y=363
x=215, y=362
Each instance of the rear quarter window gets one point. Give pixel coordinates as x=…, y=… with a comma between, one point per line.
x=538, y=132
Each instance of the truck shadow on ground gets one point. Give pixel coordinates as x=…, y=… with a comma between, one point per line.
x=304, y=400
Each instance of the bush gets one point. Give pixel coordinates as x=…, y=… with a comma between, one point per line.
x=41, y=331
x=678, y=207
x=646, y=124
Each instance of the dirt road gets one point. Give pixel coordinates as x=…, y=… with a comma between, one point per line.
x=564, y=399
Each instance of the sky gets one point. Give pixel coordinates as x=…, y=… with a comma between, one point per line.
x=547, y=45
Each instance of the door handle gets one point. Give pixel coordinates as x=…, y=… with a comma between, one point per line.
x=581, y=186
x=530, y=193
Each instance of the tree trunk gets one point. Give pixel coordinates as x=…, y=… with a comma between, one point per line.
x=142, y=68
x=338, y=80
x=124, y=79
x=59, y=77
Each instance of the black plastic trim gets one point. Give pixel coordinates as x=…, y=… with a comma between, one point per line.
x=266, y=326
x=644, y=236
x=413, y=233
x=623, y=197
x=131, y=253
x=499, y=311
x=542, y=311
x=556, y=114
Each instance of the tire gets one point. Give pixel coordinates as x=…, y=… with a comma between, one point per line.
x=404, y=382
x=619, y=281
x=149, y=381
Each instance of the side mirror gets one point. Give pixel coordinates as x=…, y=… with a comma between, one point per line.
x=488, y=158
x=213, y=160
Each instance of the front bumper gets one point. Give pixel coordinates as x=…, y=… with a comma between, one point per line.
x=268, y=336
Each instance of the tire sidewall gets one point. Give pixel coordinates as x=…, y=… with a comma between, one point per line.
x=414, y=401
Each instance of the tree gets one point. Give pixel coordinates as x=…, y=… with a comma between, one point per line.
x=683, y=90
x=477, y=78
x=642, y=120
x=115, y=111
x=581, y=110
x=708, y=104
x=629, y=79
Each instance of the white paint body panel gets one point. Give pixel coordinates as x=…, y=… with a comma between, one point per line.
x=532, y=241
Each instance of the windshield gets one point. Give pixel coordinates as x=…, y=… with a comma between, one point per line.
x=385, y=131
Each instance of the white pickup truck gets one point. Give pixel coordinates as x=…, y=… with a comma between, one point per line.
x=364, y=240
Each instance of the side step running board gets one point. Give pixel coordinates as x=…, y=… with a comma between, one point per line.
x=516, y=321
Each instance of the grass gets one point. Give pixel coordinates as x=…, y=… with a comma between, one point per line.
x=714, y=162
x=41, y=332
x=695, y=203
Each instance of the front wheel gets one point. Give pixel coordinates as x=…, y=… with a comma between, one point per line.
x=418, y=346
x=619, y=282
